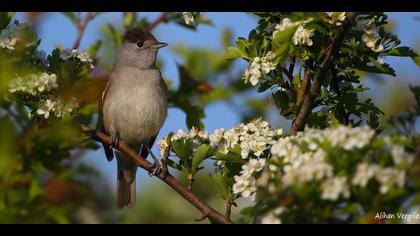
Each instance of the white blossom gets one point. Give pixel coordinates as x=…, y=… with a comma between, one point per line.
x=364, y=173
x=189, y=18
x=273, y=216
x=335, y=187
x=163, y=145
x=371, y=37
x=245, y=183
x=258, y=68
x=11, y=35
x=335, y=17
x=303, y=36
x=83, y=56
x=216, y=136
x=33, y=84
x=388, y=177
x=45, y=107
x=62, y=107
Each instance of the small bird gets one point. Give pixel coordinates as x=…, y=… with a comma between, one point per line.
x=133, y=107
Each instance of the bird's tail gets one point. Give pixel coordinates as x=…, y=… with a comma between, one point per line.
x=126, y=187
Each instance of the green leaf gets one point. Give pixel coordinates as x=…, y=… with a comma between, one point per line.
x=94, y=48
x=71, y=16
x=281, y=100
x=229, y=157
x=376, y=68
x=5, y=18
x=401, y=52
x=222, y=184
x=284, y=36
x=174, y=165
x=281, y=43
x=233, y=53
x=183, y=149
x=109, y=30
x=265, y=85
x=35, y=189
x=200, y=155
x=129, y=19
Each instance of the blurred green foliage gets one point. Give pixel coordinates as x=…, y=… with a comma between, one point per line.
x=41, y=177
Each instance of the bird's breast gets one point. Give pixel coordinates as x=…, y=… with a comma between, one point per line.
x=135, y=110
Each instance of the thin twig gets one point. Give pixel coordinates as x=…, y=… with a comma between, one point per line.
x=81, y=26
x=165, y=177
x=228, y=208
x=328, y=62
x=306, y=84
x=160, y=19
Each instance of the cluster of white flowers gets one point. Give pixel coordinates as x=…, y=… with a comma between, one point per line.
x=273, y=216
x=10, y=35
x=335, y=187
x=253, y=137
x=33, y=84
x=386, y=176
x=302, y=36
x=371, y=37
x=82, y=56
x=258, y=68
x=189, y=18
x=56, y=106
x=196, y=136
x=335, y=17
x=304, y=159
x=245, y=183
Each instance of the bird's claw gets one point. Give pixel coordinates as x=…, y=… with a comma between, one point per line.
x=157, y=167
x=114, y=142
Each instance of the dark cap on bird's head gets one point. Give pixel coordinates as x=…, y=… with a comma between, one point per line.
x=138, y=34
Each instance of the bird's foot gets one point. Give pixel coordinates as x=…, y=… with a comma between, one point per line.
x=157, y=167
x=115, y=141
x=156, y=163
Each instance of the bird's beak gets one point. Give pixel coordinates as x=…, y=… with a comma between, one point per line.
x=159, y=45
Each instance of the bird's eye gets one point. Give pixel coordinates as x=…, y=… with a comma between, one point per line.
x=139, y=44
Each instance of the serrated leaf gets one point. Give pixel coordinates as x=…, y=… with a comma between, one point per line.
x=401, y=52
x=281, y=99
x=174, y=165
x=222, y=185
x=233, y=53
x=200, y=155
x=229, y=157
x=183, y=149
x=265, y=85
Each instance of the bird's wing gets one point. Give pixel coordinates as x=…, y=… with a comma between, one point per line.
x=108, y=151
x=144, y=153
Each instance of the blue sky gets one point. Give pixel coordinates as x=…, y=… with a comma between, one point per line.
x=56, y=29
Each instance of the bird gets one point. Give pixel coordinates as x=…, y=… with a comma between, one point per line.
x=133, y=106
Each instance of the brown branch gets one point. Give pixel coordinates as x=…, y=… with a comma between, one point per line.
x=81, y=26
x=306, y=84
x=160, y=19
x=141, y=162
x=328, y=62
x=229, y=204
